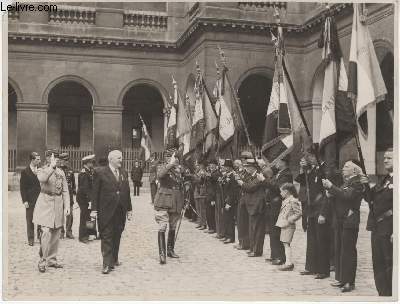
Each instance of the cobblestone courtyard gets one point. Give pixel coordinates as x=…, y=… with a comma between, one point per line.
x=207, y=269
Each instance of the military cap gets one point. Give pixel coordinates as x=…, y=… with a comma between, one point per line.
x=88, y=158
x=51, y=151
x=63, y=156
x=250, y=162
x=246, y=155
x=228, y=163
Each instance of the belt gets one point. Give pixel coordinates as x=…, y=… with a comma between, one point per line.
x=383, y=216
x=51, y=193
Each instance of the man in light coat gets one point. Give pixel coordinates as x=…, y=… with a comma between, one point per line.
x=49, y=211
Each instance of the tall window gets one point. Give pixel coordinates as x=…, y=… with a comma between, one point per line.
x=70, y=131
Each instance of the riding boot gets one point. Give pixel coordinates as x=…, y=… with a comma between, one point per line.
x=161, y=247
x=171, y=245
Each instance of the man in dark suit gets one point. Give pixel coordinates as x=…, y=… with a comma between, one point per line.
x=380, y=222
x=30, y=190
x=111, y=204
x=84, y=195
x=312, y=196
x=346, y=204
x=273, y=198
x=153, y=163
x=253, y=195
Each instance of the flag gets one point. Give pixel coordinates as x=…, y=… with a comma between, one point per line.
x=226, y=126
x=366, y=87
x=211, y=121
x=337, y=115
x=171, y=136
x=145, y=142
x=182, y=120
x=285, y=129
x=198, y=120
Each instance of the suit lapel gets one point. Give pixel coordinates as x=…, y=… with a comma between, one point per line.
x=111, y=175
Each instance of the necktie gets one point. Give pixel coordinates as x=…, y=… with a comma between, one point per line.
x=117, y=174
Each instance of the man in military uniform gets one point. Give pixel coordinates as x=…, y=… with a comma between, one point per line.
x=346, y=204
x=231, y=194
x=211, y=190
x=168, y=203
x=153, y=163
x=69, y=174
x=312, y=194
x=380, y=222
x=49, y=211
x=84, y=195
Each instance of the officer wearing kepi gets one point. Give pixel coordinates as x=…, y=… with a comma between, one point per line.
x=380, y=222
x=69, y=174
x=168, y=203
x=84, y=195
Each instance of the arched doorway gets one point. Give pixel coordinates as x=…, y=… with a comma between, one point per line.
x=70, y=116
x=254, y=93
x=146, y=100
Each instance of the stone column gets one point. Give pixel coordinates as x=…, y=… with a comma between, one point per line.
x=107, y=129
x=31, y=130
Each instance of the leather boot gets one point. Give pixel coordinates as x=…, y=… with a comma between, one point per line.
x=171, y=245
x=161, y=247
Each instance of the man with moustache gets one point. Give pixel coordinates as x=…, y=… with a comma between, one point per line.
x=111, y=204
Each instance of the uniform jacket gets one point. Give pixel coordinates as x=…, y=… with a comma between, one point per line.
x=316, y=205
x=290, y=212
x=231, y=190
x=273, y=196
x=153, y=171
x=382, y=202
x=108, y=193
x=200, y=190
x=136, y=174
x=253, y=195
x=69, y=175
x=211, y=185
x=347, y=197
x=170, y=194
x=85, y=186
x=54, y=196
x=29, y=186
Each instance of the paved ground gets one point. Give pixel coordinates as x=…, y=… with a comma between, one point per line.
x=207, y=268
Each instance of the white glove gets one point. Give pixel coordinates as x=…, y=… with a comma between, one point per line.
x=93, y=214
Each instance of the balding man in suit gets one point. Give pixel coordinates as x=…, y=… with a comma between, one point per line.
x=111, y=203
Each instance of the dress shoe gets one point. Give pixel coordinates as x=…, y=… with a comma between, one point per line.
x=289, y=267
x=306, y=272
x=253, y=255
x=347, y=287
x=223, y=239
x=211, y=231
x=268, y=260
x=69, y=235
x=238, y=247
x=277, y=262
x=228, y=241
x=30, y=243
x=321, y=276
x=106, y=270
x=250, y=251
x=198, y=226
x=202, y=227
x=219, y=237
x=56, y=265
x=85, y=241
x=118, y=263
x=337, y=284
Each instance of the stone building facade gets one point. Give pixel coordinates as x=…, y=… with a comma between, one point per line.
x=80, y=76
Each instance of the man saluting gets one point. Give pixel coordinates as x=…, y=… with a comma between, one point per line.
x=111, y=203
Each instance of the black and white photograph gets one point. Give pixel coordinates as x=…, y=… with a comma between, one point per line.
x=200, y=151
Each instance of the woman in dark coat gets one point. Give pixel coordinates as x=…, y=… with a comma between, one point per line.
x=136, y=176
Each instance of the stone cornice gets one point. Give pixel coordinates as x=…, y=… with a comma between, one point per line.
x=200, y=25
x=33, y=107
x=108, y=109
